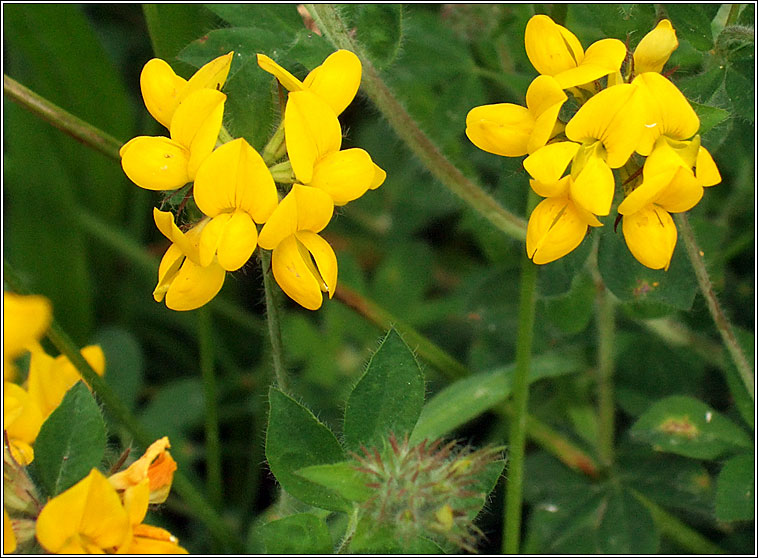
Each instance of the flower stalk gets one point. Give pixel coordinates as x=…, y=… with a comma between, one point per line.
x=272, y=319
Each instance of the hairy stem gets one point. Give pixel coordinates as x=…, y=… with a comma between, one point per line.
x=272, y=318
x=331, y=24
x=723, y=324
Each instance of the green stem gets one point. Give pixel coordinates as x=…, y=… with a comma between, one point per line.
x=122, y=415
x=61, y=119
x=352, y=525
x=517, y=436
x=331, y=24
x=282, y=172
x=677, y=531
x=212, y=438
x=224, y=136
x=272, y=318
x=606, y=329
x=272, y=152
x=717, y=313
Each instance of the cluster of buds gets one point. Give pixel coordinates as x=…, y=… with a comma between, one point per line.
x=627, y=111
x=426, y=489
x=235, y=188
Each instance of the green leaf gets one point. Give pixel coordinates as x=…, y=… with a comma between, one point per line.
x=556, y=278
x=616, y=20
x=689, y=427
x=125, y=362
x=71, y=441
x=296, y=439
x=631, y=281
x=693, y=23
x=372, y=538
x=280, y=16
x=387, y=399
x=625, y=526
x=466, y=399
x=735, y=489
x=572, y=311
x=709, y=116
x=302, y=533
x=342, y=477
x=483, y=484
x=379, y=28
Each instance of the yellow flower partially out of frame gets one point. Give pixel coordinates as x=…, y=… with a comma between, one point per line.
x=336, y=81
x=182, y=281
x=25, y=320
x=22, y=420
x=512, y=130
x=555, y=51
x=160, y=163
x=163, y=91
x=314, y=138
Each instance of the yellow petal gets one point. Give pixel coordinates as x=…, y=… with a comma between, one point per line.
x=88, y=517
x=167, y=270
x=324, y=257
x=551, y=189
x=666, y=111
x=503, y=129
x=161, y=90
x=9, y=537
x=344, y=175
x=22, y=417
x=544, y=99
x=234, y=177
x=706, y=169
x=194, y=286
x=155, y=163
x=196, y=124
x=682, y=193
x=232, y=236
x=648, y=191
x=288, y=81
x=379, y=177
x=164, y=220
x=148, y=539
x=311, y=131
x=211, y=76
x=650, y=235
x=548, y=164
x=304, y=208
x=593, y=187
x=614, y=117
x=555, y=228
x=654, y=49
x=25, y=320
x=601, y=58
x=136, y=499
x=293, y=275
x=336, y=80
x=156, y=465
x=551, y=48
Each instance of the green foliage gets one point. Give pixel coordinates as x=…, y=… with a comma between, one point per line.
x=301, y=533
x=735, y=489
x=71, y=441
x=388, y=398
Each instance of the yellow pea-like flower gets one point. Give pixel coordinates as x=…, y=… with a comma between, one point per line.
x=156, y=465
x=25, y=320
x=650, y=235
x=655, y=48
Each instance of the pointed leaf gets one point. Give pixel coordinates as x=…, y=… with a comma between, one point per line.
x=342, y=477
x=626, y=526
x=689, y=427
x=302, y=533
x=71, y=441
x=296, y=439
x=387, y=399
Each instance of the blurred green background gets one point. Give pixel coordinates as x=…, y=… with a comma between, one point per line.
x=80, y=233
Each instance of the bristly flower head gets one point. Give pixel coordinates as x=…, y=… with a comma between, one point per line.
x=426, y=489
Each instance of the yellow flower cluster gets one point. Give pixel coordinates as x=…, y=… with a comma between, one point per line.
x=637, y=112
x=235, y=186
x=97, y=514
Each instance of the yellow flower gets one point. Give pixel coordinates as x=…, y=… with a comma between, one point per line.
x=22, y=419
x=50, y=378
x=25, y=320
x=163, y=91
x=512, y=130
x=156, y=465
x=555, y=51
x=235, y=188
x=160, y=163
x=9, y=537
x=146, y=539
x=556, y=226
x=654, y=49
x=88, y=518
x=650, y=235
x=314, y=137
x=183, y=282
x=303, y=263
x=666, y=111
x=336, y=81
